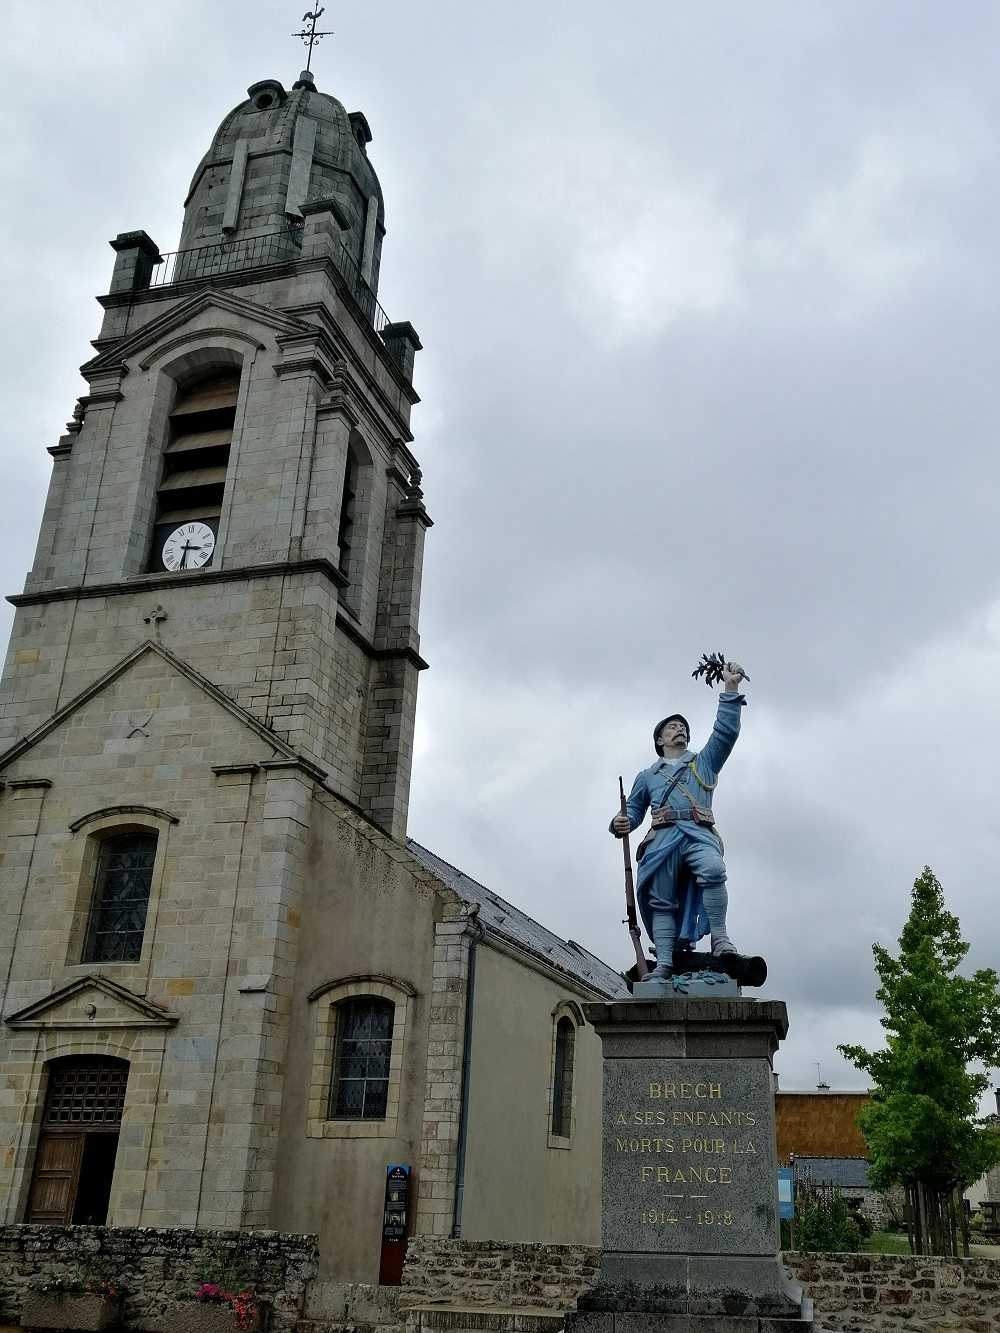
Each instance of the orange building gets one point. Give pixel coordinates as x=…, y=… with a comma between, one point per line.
x=819, y=1124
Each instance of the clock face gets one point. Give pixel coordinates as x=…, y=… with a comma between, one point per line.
x=188, y=547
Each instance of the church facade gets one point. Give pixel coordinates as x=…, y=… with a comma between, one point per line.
x=234, y=993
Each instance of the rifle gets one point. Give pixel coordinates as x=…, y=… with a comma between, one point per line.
x=633, y=923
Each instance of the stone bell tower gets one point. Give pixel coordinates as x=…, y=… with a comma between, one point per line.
x=237, y=486
x=207, y=709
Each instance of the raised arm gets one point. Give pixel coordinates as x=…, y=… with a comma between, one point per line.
x=720, y=744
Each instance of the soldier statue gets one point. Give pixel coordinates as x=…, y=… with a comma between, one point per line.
x=681, y=887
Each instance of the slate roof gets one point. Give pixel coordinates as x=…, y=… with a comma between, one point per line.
x=847, y=1173
x=509, y=923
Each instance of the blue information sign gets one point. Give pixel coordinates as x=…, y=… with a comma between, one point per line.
x=786, y=1193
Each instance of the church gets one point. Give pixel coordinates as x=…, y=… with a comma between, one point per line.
x=235, y=995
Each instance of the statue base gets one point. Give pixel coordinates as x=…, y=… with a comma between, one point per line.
x=693, y=984
x=744, y=969
x=689, y=1206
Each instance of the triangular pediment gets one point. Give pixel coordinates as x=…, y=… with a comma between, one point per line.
x=92, y=1002
x=239, y=318
x=281, y=749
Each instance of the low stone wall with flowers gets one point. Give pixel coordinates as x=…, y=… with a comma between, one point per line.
x=156, y=1267
x=496, y=1273
x=885, y=1293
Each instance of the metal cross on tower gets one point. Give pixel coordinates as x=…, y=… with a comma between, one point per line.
x=309, y=35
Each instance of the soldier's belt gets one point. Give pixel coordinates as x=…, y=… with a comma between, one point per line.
x=667, y=815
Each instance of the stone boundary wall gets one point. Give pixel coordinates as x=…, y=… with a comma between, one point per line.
x=441, y=1271
x=853, y=1293
x=156, y=1266
x=883, y=1293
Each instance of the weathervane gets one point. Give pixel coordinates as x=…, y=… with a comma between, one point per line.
x=309, y=35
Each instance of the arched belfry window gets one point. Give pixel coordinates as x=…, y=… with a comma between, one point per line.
x=360, y=1085
x=122, y=879
x=195, y=463
x=348, y=514
x=355, y=512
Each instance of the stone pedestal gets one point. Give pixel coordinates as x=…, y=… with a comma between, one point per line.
x=689, y=1216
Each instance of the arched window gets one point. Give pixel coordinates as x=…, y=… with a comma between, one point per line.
x=360, y=1030
x=359, y=1088
x=561, y=1123
x=195, y=462
x=122, y=879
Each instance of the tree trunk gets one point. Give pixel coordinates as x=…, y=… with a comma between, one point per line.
x=914, y=1210
x=921, y=1216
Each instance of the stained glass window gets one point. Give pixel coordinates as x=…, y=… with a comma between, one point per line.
x=360, y=1086
x=121, y=895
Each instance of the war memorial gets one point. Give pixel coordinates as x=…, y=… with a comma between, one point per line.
x=689, y=1216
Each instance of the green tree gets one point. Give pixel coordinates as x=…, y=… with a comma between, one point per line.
x=921, y=1126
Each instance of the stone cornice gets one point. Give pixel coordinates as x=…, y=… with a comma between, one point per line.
x=181, y=313
x=181, y=292
x=415, y=512
x=142, y=1013
x=300, y=763
x=326, y=263
x=143, y=583
x=352, y=632
x=309, y=349
x=368, y=385
x=177, y=291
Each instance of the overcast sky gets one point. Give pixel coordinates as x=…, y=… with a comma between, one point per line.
x=708, y=298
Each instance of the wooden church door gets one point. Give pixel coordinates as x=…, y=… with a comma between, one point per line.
x=75, y=1160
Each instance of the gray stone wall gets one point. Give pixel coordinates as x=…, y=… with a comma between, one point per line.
x=882, y=1293
x=853, y=1293
x=156, y=1267
x=496, y=1273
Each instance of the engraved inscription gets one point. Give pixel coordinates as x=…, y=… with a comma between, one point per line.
x=690, y=1158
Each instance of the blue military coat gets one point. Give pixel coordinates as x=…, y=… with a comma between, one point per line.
x=696, y=786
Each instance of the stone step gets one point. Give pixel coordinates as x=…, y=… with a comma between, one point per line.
x=482, y=1319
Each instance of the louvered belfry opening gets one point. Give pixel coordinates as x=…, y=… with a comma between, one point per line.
x=78, y=1143
x=196, y=458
